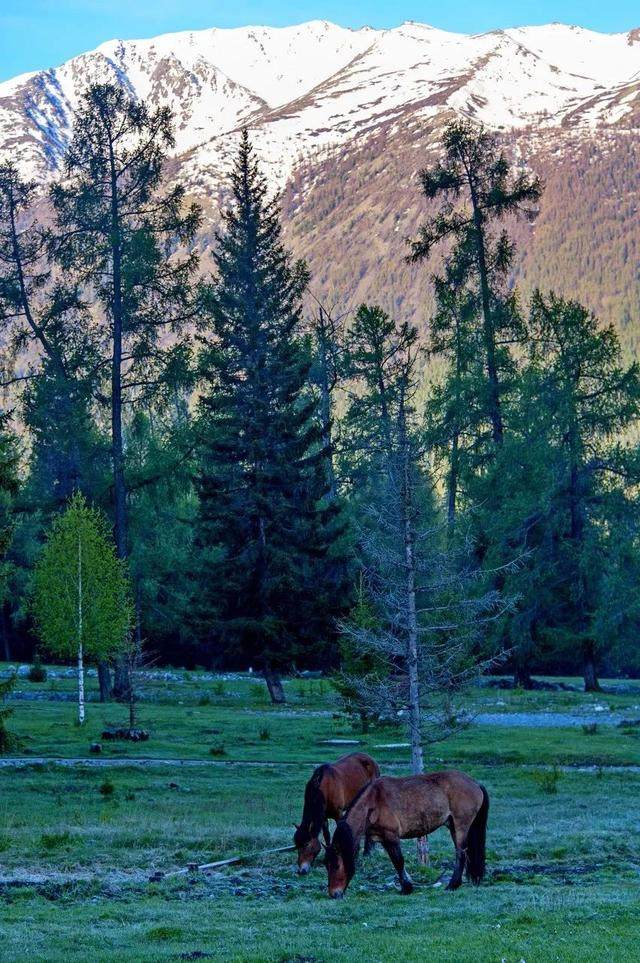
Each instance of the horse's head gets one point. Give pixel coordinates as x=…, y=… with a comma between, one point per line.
x=308, y=847
x=341, y=860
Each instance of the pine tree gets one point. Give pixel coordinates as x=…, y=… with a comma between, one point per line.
x=81, y=592
x=266, y=527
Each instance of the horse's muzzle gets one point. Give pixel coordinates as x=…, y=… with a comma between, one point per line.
x=304, y=869
x=337, y=894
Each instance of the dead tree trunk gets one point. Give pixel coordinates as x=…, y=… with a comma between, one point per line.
x=104, y=678
x=415, y=722
x=589, y=670
x=274, y=685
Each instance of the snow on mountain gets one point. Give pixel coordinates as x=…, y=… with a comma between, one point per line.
x=317, y=85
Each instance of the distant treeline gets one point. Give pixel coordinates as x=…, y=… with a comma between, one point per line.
x=285, y=484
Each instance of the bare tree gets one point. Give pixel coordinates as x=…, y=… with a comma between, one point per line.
x=430, y=601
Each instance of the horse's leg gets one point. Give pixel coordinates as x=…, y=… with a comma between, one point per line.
x=392, y=847
x=325, y=832
x=368, y=844
x=459, y=837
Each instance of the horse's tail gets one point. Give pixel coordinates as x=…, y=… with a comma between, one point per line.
x=477, y=841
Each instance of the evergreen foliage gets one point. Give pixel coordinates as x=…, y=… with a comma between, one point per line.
x=266, y=526
x=115, y=230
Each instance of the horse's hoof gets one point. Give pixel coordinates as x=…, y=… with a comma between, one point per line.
x=407, y=889
x=452, y=887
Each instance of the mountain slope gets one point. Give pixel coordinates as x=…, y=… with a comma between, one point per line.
x=343, y=119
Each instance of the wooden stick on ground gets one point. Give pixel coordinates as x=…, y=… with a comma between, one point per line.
x=234, y=860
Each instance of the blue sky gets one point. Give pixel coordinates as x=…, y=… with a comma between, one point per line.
x=43, y=33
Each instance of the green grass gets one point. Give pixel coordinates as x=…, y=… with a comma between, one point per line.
x=75, y=860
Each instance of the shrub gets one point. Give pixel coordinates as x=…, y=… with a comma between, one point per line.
x=547, y=780
x=37, y=672
x=218, y=688
x=265, y=734
x=217, y=750
x=51, y=841
x=107, y=788
x=258, y=693
x=590, y=729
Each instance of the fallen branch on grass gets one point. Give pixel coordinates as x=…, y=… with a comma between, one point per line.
x=234, y=860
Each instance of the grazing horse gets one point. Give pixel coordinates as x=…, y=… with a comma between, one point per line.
x=390, y=809
x=327, y=796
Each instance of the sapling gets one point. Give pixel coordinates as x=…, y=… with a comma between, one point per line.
x=81, y=594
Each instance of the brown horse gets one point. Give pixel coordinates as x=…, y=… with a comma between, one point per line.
x=391, y=809
x=327, y=796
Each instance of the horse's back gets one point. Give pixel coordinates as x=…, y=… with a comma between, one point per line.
x=355, y=761
x=436, y=796
x=346, y=778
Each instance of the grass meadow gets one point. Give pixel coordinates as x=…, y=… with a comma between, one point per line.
x=223, y=774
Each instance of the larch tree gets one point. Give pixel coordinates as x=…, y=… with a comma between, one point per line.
x=50, y=345
x=9, y=488
x=592, y=401
x=327, y=332
x=476, y=189
x=81, y=592
x=118, y=233
x=426, y=605
x=267, y=527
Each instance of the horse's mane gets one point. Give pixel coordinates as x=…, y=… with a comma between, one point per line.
x=343, y=842
x=314, y=807
x=355, y=799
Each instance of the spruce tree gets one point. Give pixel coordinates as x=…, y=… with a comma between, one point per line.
x=266, y=529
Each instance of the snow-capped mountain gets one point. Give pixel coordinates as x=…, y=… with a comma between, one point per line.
x=343, y=119
x=318, y=85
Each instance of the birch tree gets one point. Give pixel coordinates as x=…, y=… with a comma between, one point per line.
x=82, y=599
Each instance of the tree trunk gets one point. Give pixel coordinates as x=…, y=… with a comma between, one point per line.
x=80, y=631
x=415, y=727
x=121, y=685
x=121, y=681
x=521, y=674
x=132, y=708
x=452, y=485
x=325, y=415
x=104, y=678
x=591, y=683
x=80, y=686
x=274, y=685
x=488, y=329
x=6, y=645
